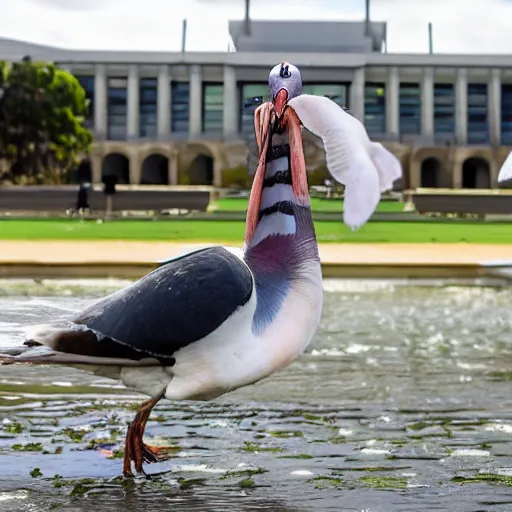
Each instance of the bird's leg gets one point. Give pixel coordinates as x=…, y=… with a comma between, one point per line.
x=135, y=449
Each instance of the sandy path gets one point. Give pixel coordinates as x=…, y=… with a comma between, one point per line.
x=142, y=252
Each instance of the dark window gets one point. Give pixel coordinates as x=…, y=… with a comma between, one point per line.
x=213, y=107
x=117, y=108
x=148, y=107
x=87, y=82
x=253, y=95
x=180, y=94
x=478, y=129
x=444, y=108
x=410, y=109
x=506, y=114
x=375, y=107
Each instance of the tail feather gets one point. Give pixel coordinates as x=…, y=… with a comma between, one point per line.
x=46, y=355
x=68, y=343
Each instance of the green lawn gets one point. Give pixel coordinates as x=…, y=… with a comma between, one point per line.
x=233, y=231
x=317, y=204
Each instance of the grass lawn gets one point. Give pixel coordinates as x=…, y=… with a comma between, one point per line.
x=317, y=204
x=233, y=231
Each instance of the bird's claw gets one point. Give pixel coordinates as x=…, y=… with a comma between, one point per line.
x=144, y=454
x=136, y=451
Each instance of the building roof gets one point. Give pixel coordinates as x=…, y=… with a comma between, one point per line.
x=308, y=36
x=14, y=50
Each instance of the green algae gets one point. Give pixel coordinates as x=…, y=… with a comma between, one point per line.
x=327, y=482
x=29, y=447
x=238, y=473
x=75, y=435
x=247, y=483
x=36, y=473
x=14, y=428
x=286, y=434
x=187, y=483
x=488, y=478
x=384, y=482
x=254, y=447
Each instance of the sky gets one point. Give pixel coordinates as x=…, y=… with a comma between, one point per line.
x=459, y=26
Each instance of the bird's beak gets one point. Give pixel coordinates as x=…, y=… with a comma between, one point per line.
x=280, y=101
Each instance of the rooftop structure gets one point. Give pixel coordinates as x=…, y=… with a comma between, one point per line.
x=308, y=36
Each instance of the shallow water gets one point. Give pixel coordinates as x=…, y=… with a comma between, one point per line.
x=402, y=403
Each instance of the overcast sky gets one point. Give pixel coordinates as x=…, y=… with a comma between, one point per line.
x=460, y=26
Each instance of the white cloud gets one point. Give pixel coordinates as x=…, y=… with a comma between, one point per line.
x=460, y=26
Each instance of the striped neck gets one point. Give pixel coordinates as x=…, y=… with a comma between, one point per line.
x=276, y=213
x=282, y=253
x=278, y=203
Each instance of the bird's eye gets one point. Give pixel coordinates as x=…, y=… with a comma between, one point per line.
x=285, y=72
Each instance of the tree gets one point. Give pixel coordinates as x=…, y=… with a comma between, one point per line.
x=42, y=114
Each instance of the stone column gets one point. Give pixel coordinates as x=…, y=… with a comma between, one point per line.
x=96, y=167
x=494, y=107
x=457, y=173
x=133, y=93
x=393, y=102
x=461, y=106
x=427, y=103
x=217, y=172
x=135, y=168
x=415, y=173
x=195, y=119
x=100, y=102
x=357, y=94
x=163, y=102
x=173, y=169
x=230, y=113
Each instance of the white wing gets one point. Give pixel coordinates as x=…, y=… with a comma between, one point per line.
x=364, y=167
x=505, y=173
x=388, y=166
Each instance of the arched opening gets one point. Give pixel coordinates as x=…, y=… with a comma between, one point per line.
x=155, y=170
x=200, y=170
x=431, y=169
x=476, y=173
x=116, y=164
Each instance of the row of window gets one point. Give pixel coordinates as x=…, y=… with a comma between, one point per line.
x=252, y=95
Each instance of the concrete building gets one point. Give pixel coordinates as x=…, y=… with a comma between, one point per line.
x=184, y=118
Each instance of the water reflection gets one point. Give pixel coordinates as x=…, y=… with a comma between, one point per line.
x=401, y=403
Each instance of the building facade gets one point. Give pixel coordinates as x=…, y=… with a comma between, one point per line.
x=185, y=118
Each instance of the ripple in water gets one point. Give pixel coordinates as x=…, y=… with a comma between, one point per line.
x=402, y=403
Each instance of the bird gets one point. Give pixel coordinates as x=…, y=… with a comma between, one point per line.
x=218, y=318
x=505, y=171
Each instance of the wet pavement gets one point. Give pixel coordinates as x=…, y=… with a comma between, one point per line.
x=402, y=403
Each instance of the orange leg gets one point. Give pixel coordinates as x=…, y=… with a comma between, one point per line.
x=135, y=450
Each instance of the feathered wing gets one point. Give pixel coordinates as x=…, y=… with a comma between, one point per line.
x=505, y=173
x=365, y=168
x=145, y=323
